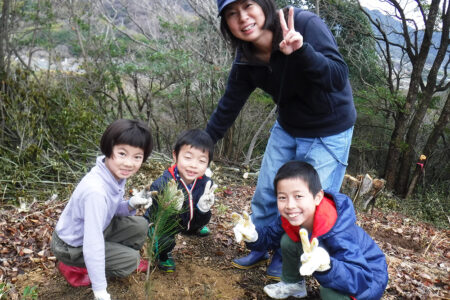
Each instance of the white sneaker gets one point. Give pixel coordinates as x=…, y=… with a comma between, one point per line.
x=282, y=290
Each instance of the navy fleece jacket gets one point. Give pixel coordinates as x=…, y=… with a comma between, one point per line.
x=310, y=86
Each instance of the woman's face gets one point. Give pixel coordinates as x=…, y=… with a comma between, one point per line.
x=246, y=19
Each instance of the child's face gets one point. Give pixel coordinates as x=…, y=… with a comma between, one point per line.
x=191, y=162
x=296, y=203
x=125, y=160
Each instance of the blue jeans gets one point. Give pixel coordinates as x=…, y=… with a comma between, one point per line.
x=328, y=155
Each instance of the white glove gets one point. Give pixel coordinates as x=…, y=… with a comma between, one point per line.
x=244, y=228
x=207, y=199
x=314, y=258
x=178, y=200
x=101, y=295
x=141, y=198
x=208, y=172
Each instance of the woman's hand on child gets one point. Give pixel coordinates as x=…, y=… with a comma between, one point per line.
x=314, y=258
x=244, y=229
x=292, y=40
x=101, y=295
x=143, y=197
x=207, y=199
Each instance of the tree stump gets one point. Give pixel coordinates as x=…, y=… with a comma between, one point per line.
x=362, y=189
x=350, y=186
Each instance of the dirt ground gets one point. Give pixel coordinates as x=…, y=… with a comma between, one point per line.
x=417, y=254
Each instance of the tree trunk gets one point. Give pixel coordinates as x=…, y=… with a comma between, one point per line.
x=425, y=102
x=398, y=144
x=3, y=39
x=432, y=140
x=393, y=155
x=3, y=68
x=188, y=108
x=419, y=171
x=255, y=137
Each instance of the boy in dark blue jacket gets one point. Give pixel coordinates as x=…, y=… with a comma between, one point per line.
x=192, y=155
x=348, y=264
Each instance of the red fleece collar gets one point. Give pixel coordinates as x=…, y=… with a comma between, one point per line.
x=324, y=219
x=172, y=170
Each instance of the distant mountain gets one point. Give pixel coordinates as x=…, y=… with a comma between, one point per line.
x=393, y=26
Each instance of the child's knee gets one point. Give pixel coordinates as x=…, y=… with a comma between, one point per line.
x=286, y=244
x=141, y=225
x=124, y=264
x=330, y=294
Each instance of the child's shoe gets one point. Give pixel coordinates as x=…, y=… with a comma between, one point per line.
x=75, y=276
x=282, y=290
x=167, y=265
x=143, y=265
x=204, y=231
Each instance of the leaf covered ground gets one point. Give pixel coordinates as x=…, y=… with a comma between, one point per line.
x=418, y=254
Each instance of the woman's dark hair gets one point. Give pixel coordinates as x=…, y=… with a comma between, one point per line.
x=128, y=132
x=196, y=138
x=301, y=170
x=272, y=23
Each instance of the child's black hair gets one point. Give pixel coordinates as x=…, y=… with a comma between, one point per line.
x=128, y=132
x=301, y=170
x=196, y=138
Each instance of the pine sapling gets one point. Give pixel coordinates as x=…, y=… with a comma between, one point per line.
x=163, y=222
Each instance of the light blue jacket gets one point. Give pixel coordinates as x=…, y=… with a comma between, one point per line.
x=96, y=200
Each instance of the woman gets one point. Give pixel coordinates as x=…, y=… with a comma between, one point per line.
x=299, y=65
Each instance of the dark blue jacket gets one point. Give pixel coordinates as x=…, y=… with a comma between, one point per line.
x=358, y=266
x=191, y=217
x=310, y=86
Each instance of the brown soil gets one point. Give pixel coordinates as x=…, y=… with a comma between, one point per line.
x=417, y=254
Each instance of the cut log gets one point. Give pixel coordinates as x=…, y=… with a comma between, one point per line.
x=350, y=186
x=362, y=189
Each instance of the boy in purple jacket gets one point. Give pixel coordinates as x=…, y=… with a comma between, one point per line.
x=97, y=230
x=348, y=264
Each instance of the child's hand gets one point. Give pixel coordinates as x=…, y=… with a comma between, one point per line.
x=244, y=228
x=314, y=258
x=207, y=199
x=143, y=197
x=101, y=295
x=178, y=200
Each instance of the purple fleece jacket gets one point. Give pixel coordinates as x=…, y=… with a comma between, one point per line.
x=95, y=201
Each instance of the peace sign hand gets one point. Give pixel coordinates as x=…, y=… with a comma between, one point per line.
x=207, y=199
x=314, y=258
x=292, y=40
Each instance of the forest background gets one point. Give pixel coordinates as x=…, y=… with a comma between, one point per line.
x=70, y=67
